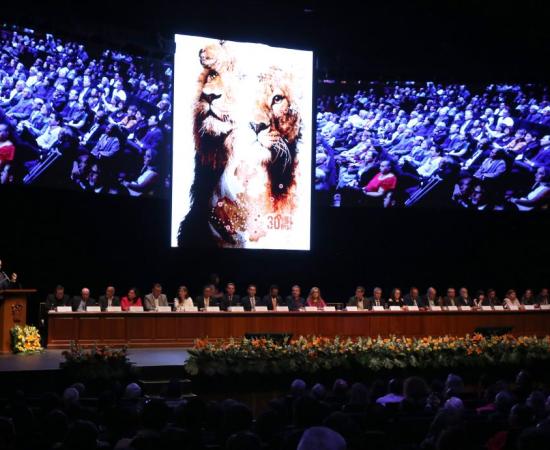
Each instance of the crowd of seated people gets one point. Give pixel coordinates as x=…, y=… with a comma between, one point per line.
x=72, y=118
x=441, y=412
x=213, y=296
x=403, y=144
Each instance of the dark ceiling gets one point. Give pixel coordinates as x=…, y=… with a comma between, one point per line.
x=450, y=39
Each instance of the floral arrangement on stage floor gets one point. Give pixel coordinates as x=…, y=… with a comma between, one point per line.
x=25, y=339
x=98, y=363
x=312, y=354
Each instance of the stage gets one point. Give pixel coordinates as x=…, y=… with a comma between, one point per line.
x=38, y=372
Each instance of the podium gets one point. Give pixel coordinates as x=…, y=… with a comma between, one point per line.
x=13, y=311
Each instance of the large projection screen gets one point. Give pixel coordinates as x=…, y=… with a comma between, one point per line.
x=242, y=145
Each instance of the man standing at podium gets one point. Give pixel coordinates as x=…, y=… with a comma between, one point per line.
x=7, y=282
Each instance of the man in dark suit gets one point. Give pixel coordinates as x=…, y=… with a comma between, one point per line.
x=82, y=301
x=376, y=299
x=358, y=299
x=451, y=299
x=273, y=299
x=250, y=301
x=413, y=298
x=109, y=299
x=295, y=301
x=58, y=298
x=230, y=298
x=206, y=299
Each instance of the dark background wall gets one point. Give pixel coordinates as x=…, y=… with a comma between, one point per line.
x=52, y=237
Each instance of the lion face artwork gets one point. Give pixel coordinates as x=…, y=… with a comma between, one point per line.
x=251, y=148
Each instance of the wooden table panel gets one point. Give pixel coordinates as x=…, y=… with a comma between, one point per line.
x=150, y=329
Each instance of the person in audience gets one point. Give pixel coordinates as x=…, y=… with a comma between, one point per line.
x=273, y=299
x=132, y=299
x=539, y=195
x=204, y=301
x=155, y=299
x=413, y=298
x=82, y=301
x=376, y=299
x=464, y=298
x=382, y=184
x=314, y=298
x=431, y=299
x=250, y=300
x=183, y=301
x=511, y=300
x=230, y=298
x=295, y=301
x=58, y=298
x=395, y=298
x=528, y=297
x=359, y=300
x=394, y=395
x=542, y=297
x=149, y=177
x=7, y=154
x=109, y=299
x=321, y=438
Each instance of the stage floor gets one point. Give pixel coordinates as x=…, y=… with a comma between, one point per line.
x=50, y=359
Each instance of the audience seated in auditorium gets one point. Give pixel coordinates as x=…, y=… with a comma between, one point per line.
x=432, y=136
x=51, y=86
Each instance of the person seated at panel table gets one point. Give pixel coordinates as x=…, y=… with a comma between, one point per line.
x=431, y=299
x=542, y=297
x=295, y=301
x=528, y=297
x=131, y=299
x=183, y=301
x=58, y=298
x=314, y=298
x=511, y=300
x=451, y=299
x=413, y=298
x=82, y=301
x=492, y=297
x=464, y=297
x=273, y=299
x=359, y=300
x=155, y=299
x=229, y=299
x=250, y=301
x=395, y=298
x=376, y=299
x=481, y=300
x=109, y=299
x=206, y=299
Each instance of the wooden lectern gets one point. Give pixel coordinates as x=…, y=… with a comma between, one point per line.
x=13, y=311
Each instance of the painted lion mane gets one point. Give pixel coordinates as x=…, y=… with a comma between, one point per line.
x=278, y=123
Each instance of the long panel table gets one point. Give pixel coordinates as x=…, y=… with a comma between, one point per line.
x=155, y=329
